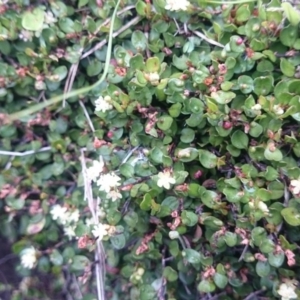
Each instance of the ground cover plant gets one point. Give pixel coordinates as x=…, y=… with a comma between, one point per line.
x=150, y=149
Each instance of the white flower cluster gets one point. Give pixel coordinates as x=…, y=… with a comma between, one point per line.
x=256, y=107
x=278, y=110
x=176, y=5
x=295, y=186
x=28, y=258
x=287, y=290
x=65, y=217
x=107, y=183
x=103, y=104
x=165, y=179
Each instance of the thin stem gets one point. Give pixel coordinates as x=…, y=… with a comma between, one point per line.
x=210, y=41
x=103, y=42
x=250, y=296
x=87, y=116
x=3, y=152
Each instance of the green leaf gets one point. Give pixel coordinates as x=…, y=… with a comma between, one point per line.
x=291, y=215
x=209, y=198
x=230, y=238
x=164, y=122
x=255, y=129
x=118, y=241
x=189, y=218
x=220, y=280
x=33, y=20
x=146, y=203
x=245, y=84
x=289, y=35
x=263, y=268
x=94, y=68
x=239, y=140
x=127, y=170
x=187, y=135
x=292, y=14
x=191, y=255
x=139, y=41
x=79, y=263
x=263, y=85
x=275, y=155
x=175, y=110
x=286, y=67
x=206, y=286
x=153, y=65
x=170, y=274
x=208, y=159
x=223, y=97
x=276, y=260
x=243, y=13
x=56, y=258
x=82, y=3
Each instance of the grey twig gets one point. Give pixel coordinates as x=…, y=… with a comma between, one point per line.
x=100, y=252
x=210, y=41
x=3, y=152
x=87, y=116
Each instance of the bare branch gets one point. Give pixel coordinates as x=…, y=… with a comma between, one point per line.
x=3, y=152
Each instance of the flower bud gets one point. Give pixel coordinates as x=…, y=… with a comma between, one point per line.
x=173, y=235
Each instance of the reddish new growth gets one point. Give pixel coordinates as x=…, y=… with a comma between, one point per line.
x=260, y=257
x=42, y=119
x=208, y=81
x=7, y=190
x=182, y=188
x=209, y=272
x=84, y=241
x=198, y=174
x=35, y=207
x=222, y=69
x=176, y=221
x=239, y=41
x=290, y=257
x=143, y=247
x=227, y=125
x=99, y=143
x=121, y=71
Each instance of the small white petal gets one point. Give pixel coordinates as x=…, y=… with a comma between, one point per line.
x=165, y=179
x=99, y=231
x=28, y=258
x=176, y=5
x=102, y=105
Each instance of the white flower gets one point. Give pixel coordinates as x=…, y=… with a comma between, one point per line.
x=263, y=207
x=74, y=216
x=102, y=104
x=278, y=110
x=175, y=5
x=286, y=292
x=295, y=186
x=94, y=171
x=256, y=107
x=100, y=230
x=28, y=258
x=184, y=153
x=89, y=222
x=59, y=213
x=108, y=181
x=114, y=195
x=165, y=179
x=49, y=17
x=26, y=35
x=69, y=231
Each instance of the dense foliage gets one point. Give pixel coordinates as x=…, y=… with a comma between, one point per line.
x=181, y=169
